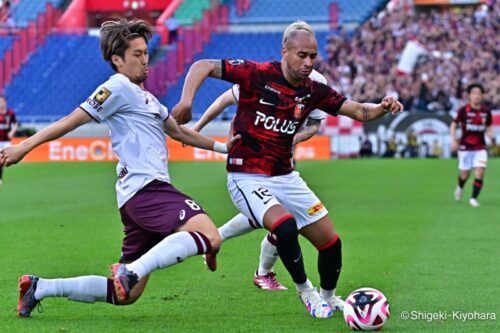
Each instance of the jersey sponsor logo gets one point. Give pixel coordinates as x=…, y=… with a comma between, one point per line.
x=94, y=104
x=102, y=95
x=263, y=102
x=315, y=209
x=275, y=124
x=274, y=90
x=182, y=214
x=475, y=128
x=236, y=161
x=235, y=62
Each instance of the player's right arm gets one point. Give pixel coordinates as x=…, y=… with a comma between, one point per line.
x=198, y=72
x=14, y=154
x=215, y=109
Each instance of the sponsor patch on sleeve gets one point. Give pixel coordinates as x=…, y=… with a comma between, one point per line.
x=318, y=207
x=102, y=95
x=235, y=62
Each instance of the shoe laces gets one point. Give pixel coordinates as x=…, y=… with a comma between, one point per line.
x=271, y=279
x=312, y=296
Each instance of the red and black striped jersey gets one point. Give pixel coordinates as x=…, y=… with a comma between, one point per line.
x=270, y=111
x=473, y=123
x=6, y=121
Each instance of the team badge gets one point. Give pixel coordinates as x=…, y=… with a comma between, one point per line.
x=299, y=108
x=235, y=62
x=102, y=95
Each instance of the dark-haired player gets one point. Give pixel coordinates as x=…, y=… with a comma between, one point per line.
x=475, y=121
x=162, y=226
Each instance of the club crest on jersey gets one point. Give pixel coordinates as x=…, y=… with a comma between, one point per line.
x=235, y=62
x=102, y=95
x=299, y=108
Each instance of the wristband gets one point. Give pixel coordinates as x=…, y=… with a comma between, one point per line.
x=220, y=147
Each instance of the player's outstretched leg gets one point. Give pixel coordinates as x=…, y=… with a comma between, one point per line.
x=87, y=289
x=27, y=301
x=197, y=236
x=265, y=277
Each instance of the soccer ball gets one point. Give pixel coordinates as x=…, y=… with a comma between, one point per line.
x=366, y=309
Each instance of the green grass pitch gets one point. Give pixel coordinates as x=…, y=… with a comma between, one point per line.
x=401, y=230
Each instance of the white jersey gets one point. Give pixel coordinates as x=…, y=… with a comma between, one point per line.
x=315, y=75
x=135, y=119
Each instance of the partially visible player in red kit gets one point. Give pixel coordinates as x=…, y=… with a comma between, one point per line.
x=475, y=121
x=275, y=100
x=8, y=127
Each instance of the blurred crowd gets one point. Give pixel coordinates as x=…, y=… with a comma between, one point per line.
x=6, y=19
x=462, y=46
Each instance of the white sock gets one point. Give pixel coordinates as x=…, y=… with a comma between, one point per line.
x=303, y=286
x=170, y=251
x=238, y=225
x=88, y=289
x=268, y=256
x=327, y=293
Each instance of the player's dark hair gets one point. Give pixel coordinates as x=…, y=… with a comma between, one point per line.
x=475, y=85
x=115, y=37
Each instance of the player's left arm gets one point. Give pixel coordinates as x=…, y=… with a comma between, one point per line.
x=195, y=139
x=368, y=111
x=309, y=130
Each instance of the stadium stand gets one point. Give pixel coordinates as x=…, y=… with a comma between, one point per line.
x=59, y=76
x=26, y=11
x=261, y=11
x=360, y=66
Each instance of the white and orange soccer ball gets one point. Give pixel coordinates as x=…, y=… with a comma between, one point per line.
x=366, y=309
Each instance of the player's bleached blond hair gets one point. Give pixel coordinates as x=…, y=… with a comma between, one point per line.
x=293, y=28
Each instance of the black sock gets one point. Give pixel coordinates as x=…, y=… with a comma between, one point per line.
x=461, y=182
x=478, y=184
x=330, y=264
x=1, y=172
x=287, y=244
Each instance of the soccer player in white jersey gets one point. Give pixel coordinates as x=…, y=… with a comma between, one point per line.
x=264, y=277
x=275, y=99
x=162, y=225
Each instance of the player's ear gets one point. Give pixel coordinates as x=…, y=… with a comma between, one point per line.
x=117, y=60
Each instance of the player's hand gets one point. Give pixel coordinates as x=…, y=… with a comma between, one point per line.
x=454, y=145
x=182, y=112
x=232, y=141
x=392, y=105
x=12, y=155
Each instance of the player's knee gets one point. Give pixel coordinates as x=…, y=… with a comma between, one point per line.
x=285, y=229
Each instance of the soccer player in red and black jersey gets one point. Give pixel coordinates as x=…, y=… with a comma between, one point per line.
x=275, y=99
x=8, y=127
x=475, y=121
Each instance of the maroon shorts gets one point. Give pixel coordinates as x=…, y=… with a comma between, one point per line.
x=152, y=214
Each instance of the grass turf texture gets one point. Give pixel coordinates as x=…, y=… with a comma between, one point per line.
x=401, y=230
